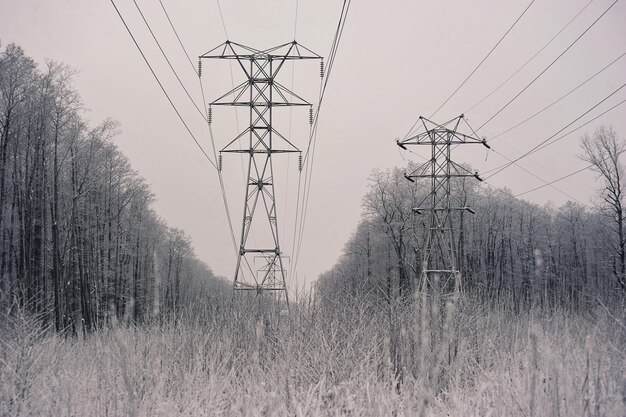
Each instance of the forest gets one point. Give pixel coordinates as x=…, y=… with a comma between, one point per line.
x=80, y=245
x=566, y=256
x=106, y=310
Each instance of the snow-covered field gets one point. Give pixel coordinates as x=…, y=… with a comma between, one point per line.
x=464, y=359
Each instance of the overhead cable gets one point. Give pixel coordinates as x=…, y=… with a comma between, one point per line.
x=530, y=59
x=161, y=85
x=475, y=69
x=549, y=66
x=555, y=134
x=313, y=134
x=491, y=139
x=167, y=59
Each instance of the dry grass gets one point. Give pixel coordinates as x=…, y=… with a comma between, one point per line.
x=346, y=359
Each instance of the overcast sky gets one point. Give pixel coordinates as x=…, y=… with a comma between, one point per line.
x=397, y=60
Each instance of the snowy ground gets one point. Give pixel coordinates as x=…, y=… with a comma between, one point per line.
x=342, y=360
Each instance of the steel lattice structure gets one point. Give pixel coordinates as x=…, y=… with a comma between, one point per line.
x=260, y=92
x=439, y=263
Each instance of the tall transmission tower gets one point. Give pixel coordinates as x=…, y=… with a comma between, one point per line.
x=439, y=263
x=260, y=266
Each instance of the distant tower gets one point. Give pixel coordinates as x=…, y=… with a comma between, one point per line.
x=439, y=265
x=261, y=93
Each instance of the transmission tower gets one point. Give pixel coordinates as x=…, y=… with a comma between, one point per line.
x=260, y=266
x=439, y=263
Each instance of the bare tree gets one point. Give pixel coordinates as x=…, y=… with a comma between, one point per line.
x=602, y=151
x=390, y=201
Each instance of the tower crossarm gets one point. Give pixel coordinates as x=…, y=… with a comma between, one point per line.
x=284, y=52
x=441, y=134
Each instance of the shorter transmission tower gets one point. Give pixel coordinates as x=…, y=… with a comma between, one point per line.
x=439, y=263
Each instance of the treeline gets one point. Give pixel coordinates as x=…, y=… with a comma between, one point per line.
x=80, y=245
x=509, y=250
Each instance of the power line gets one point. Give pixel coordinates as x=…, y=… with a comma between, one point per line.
x=329, y=67
x=243, y=170
x=553, y=182
x=295, y=24
x=475, y=69
x=299, y=229
x=232, y=79
x=546, y=184
x=541, y=111
x=560, y=179
x=222, y=17
x=232, y=82
x=177, y=37
x=559, y=99
x=305, y=207
x=313, y=132
x=579, y=127
x=546, y=144
x=221, y=181
x=530, y=59
x=313, y=135
x=536, y=177
x=225, y=201
x=548, y=67
x=293, y=73
x=557, y=139
x=559, y=131
x=295, y=226
x=161, y=85
x=167, y=59
x=483, y=60
x=219, y=173
x=560, y=137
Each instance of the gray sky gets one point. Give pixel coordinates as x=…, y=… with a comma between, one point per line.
x=397, y=60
